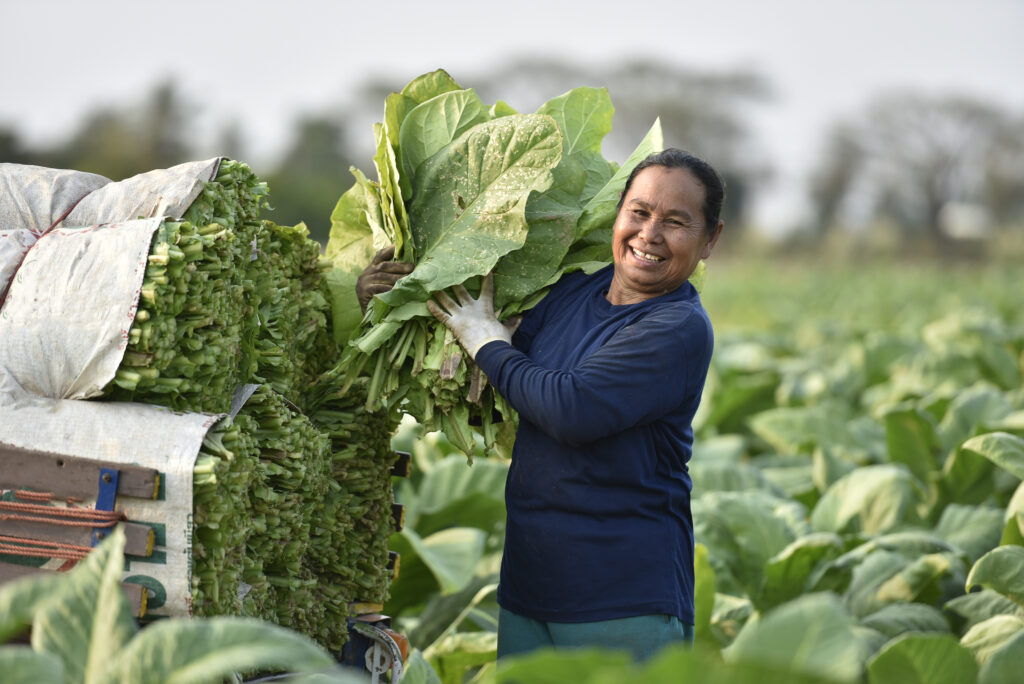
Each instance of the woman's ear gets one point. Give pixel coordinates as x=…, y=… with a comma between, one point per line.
x=710, y=244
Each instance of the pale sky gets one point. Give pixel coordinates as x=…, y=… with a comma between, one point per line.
x=264, y=63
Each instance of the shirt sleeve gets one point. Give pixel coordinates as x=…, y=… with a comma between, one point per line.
x=644, y=371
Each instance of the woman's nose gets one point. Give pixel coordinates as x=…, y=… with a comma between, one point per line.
x=649, y=229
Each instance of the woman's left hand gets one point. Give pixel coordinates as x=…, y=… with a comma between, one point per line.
x=471, y=320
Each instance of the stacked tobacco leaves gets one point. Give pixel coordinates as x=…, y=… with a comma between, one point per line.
x=270, y=520
x=362, y=460
x=190, y=344
x=292, y=515
x=224, y=475
x=226, y=299
x=294, y=474
x=293, y=344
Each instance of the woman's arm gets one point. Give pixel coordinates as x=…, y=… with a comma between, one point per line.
x=643, y=372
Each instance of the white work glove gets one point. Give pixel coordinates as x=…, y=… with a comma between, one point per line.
x=471, y=320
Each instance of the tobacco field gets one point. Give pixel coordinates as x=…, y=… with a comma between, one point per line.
x=857, y=501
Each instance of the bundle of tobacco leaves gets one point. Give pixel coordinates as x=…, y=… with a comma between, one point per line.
x=224, y=475
x=362, y=460
x=465, y=189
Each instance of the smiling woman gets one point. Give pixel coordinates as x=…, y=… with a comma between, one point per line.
x=667, y=222
x=606, y=374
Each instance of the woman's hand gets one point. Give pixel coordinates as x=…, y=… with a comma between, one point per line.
x=471, y=320
x=380, y=276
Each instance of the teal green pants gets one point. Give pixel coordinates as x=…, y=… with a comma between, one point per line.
x=643, y=636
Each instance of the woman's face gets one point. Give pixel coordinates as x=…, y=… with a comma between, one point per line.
x=659, y=235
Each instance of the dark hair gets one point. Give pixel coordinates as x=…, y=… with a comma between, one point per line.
x=672, y=158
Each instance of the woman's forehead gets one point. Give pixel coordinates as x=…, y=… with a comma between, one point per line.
x=667, y=189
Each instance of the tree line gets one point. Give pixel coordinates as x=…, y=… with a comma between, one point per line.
x=935, y=167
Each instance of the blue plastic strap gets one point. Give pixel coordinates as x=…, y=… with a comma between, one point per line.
x=105, y=498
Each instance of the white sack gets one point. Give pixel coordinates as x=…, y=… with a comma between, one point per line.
x=64, y=326
x=31, y=199
x=137, y=434
x=162, y=192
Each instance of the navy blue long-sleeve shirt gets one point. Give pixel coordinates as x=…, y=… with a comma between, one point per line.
x=598, y=492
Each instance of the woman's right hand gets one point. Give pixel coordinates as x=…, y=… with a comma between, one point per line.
x=380, y=276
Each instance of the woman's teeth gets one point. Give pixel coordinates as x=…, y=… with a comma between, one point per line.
x=645, y=256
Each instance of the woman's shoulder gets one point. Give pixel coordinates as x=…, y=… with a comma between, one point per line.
x=581, y=280
x=680, y=317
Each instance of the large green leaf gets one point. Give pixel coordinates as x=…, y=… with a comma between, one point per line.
x=923, y=659
x=442, y=614
x=730, y=477
x=813, y=635
x=19, y=600
x=787, y=573
x=434, y=124
x=451, y=554
x=970, y=410
x=927, y=579
x=345, y=310
x=911, y=440
x=1013, y=519
x=200, y=651
x=703, y=595
x=986, y=638
x=429, y=85
x=418, y=671
x=396, y=220
x=357, y=213
x=898, y=618
x=584, y=115
x=350, y=247
x=676, y=664
x=470, y=199
x=742, y=530
x=1004, y=665
x=415, y=584
x=548, y=666
x=802, y=429
x=457, y=653
x=1002, y=570
x=733, y=399
x=396, y=107
x=552, y=216
x=873, y=499
x=600, y=211
x=978, y=606
x=452, y=494
x=791, y=476
x=975, y=529
x=838, y=574
x=88, y=622
x=1002, y=448
x=22, y=665
x=729, y=615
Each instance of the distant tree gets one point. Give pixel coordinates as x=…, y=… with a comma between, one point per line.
x=832, y=182
x=11, y=149
x=123, y=140
x=907, y=156
x=1003, y=187
x=230, y=141
x=311, y=176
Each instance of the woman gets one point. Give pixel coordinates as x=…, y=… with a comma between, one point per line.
x=606, y=374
